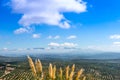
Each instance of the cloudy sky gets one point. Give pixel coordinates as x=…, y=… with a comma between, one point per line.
x=59, y=25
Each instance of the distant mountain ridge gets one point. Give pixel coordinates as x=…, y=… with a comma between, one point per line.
x=64, y=56
x=11, y=59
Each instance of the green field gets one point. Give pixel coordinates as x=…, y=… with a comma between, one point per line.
x=94, y=69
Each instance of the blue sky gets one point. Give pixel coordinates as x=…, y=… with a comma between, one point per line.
x=71, y=24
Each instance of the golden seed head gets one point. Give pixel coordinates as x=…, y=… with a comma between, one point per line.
x=37, y=69
x=73, y=67
x=61, y=73
x=50, y=70
x=54, y=72
x=79, y=73
x=71, y=75
x=84, y=78
x=72, y=72
x=39, y=65
x=32, y=66
x=67, y=72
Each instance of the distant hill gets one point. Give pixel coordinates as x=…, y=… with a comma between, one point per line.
x=11, y=59
x=70, y=56
x=107, y=55
x=63, y=56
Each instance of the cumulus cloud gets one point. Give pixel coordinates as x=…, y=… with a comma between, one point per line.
x=52, y=44
x=48, y=12
x=21, y=30
x=116, y=36
x=66, y=44
x=36, y=35
x=114, y=47
x=72, y=37
x=53, y=37
x=62, y=45
x=116, y=43
x=5, y=48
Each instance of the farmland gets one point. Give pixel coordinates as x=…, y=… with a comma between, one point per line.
x=94, y=69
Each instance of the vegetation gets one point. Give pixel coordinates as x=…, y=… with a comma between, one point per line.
x=52, y=73
x=93, y=69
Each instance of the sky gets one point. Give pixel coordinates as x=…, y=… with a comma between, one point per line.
x=59, y=25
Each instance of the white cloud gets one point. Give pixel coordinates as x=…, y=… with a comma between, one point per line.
x=53, y=37
x=52, y=44
x=116, y=36
x=48, y=12
x=72, y=37
x=116, y=43
x=114, y=47
x=21, y=30
x=66, y=45
x=96, y=47
x=36, y=35
x=57, y=37
x=5, y=49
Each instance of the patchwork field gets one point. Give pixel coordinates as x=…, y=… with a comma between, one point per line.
x=93, y=69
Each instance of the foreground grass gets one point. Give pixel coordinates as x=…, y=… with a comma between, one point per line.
x=93, y=69
x=54, y=74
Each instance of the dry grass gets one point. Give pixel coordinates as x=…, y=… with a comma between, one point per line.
x=69, y=74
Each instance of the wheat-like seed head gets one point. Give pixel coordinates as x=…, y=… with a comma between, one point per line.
x=71, y=75
x=67, y=72
x=79, y=74
x=32, y=66
x=54, y=72
x=72, y=72
x=39, y=65
x=36, y=66
x=73, y=67
x=38, y=74
x=84, y=78
x=61, y=73
x=50, y=70
x=42, y=76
